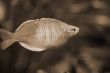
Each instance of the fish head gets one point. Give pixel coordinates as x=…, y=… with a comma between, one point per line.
x=71, y=30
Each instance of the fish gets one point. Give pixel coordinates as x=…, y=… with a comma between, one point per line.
x=39, y=34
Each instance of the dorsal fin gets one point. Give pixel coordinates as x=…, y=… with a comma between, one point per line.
x=28, y=26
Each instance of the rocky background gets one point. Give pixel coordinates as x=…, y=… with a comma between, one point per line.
x=88, y=52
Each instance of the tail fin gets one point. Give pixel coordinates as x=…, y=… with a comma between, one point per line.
x=7, y=39
x=5, y=44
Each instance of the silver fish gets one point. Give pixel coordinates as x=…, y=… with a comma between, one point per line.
x=39, y=34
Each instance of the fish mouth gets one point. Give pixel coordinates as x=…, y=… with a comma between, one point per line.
x=77, y=30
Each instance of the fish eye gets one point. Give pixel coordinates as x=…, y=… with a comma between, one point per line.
x=73, y=29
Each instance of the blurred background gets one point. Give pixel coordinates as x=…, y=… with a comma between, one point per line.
x=88, y=52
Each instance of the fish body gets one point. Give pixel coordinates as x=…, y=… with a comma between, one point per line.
x=39, y=34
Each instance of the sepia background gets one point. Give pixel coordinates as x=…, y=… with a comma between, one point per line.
x=88, y=52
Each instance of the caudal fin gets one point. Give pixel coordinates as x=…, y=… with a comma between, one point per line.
x=5, y=44
x=7, y=38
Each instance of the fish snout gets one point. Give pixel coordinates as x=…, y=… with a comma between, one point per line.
x=76, y=30
x=73, y=31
